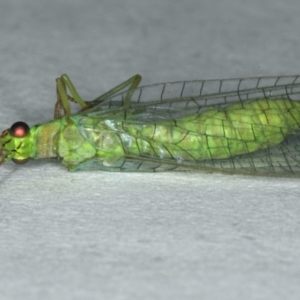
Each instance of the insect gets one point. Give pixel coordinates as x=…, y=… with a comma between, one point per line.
x=245, y=125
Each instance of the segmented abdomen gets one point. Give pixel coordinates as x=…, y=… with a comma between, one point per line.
x=213, y=134
x=219, y=133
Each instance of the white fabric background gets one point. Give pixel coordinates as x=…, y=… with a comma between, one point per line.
x=96, y=235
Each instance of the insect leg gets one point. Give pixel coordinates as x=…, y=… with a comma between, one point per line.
x=63, y=99
x=132, y=82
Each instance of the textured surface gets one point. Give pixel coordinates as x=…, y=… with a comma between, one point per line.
x=96, y=235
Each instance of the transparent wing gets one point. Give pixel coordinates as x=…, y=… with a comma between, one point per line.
x=170, y=101
x=282, y=160
x=129, y=164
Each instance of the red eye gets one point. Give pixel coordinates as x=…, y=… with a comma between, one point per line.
x=19, y=129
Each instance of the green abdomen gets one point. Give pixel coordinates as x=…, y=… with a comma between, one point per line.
x=216, y=134
x=213, y=134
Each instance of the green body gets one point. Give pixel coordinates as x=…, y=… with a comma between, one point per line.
x=213, y=134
